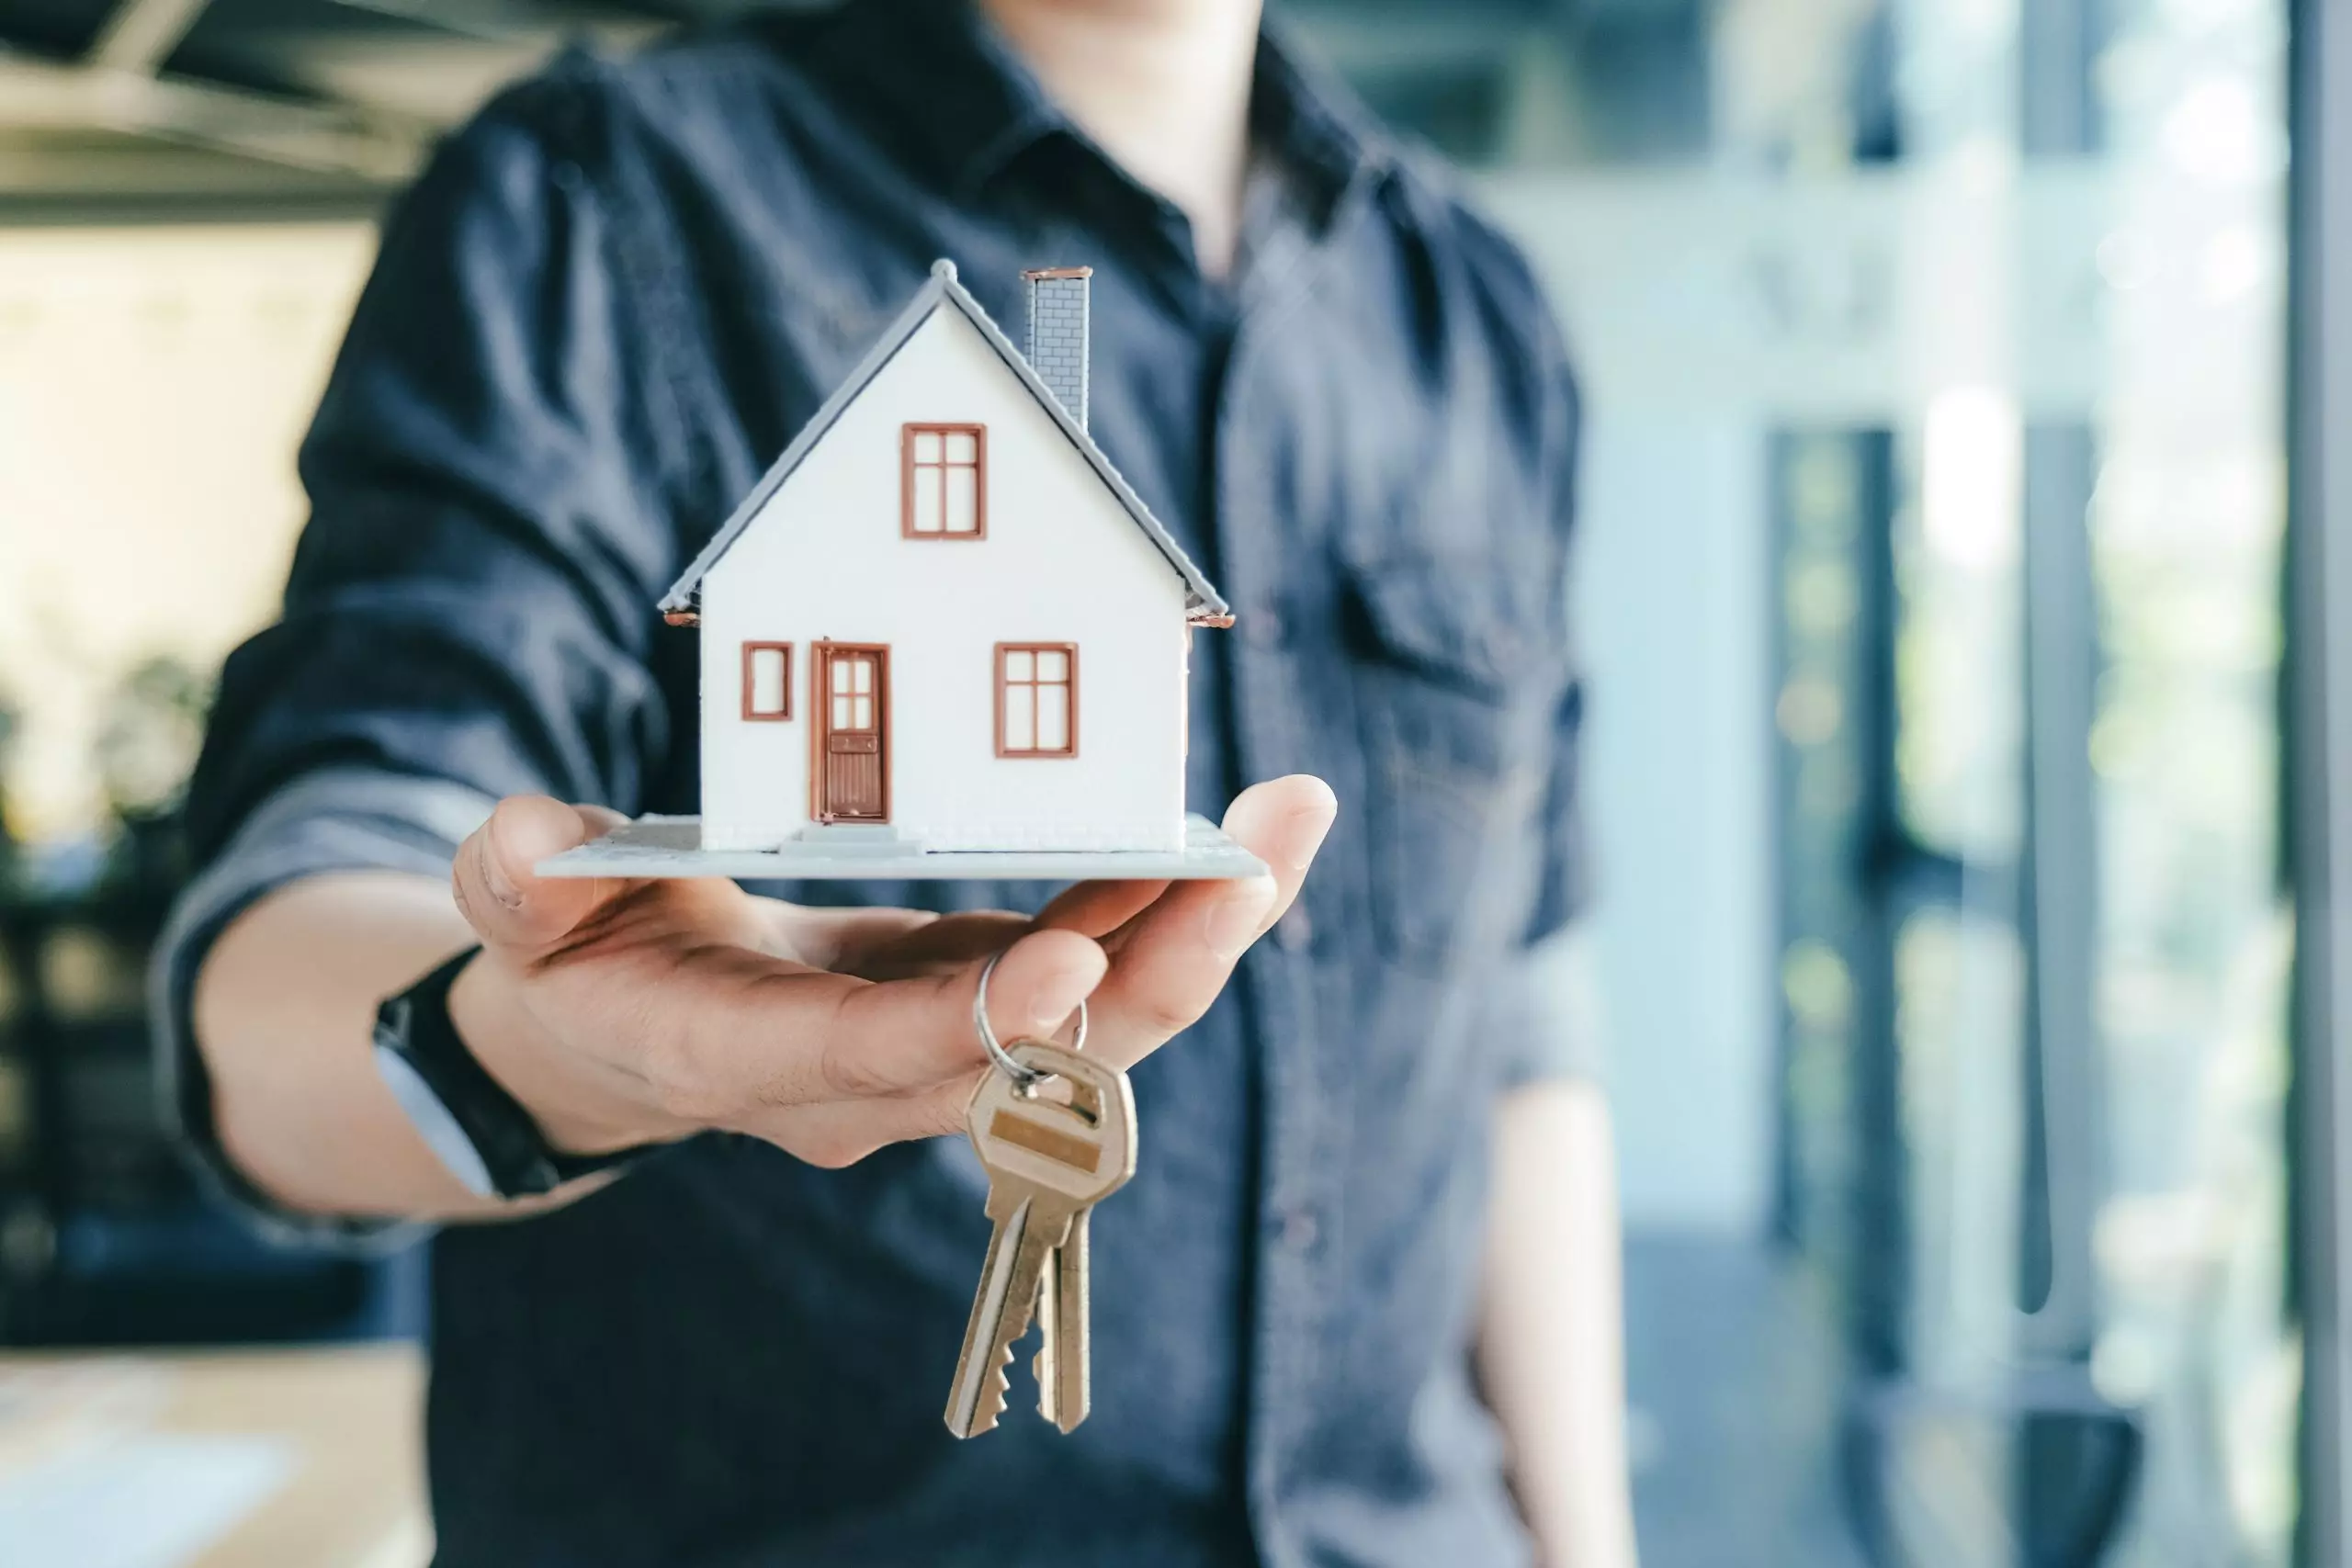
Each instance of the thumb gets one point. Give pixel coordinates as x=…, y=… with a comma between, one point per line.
x=510, y=905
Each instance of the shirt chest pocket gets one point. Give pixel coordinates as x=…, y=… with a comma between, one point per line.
x=1459, y=672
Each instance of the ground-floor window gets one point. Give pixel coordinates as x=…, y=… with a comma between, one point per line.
x=1036, y=699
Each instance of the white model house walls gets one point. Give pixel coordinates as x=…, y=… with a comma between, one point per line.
x=1036, y=601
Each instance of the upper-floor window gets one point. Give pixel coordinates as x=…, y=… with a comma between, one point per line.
x=1036, y=699
x=945, y=481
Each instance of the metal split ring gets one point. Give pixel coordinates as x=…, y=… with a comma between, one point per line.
x=1026, y=1077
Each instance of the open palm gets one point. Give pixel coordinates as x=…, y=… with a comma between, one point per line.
x=634, y=1011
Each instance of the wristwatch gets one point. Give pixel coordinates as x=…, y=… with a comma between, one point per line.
x=477, y=1129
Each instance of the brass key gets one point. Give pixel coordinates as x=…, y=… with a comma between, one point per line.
x=1052, y=1150
x=1064, y=1365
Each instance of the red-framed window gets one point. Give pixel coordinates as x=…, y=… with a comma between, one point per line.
x=767, y=682
x=1036, y=699
x=943, y=481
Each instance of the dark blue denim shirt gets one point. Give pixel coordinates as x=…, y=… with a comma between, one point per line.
x=598, y=317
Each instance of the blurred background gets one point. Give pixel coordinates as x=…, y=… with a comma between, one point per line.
x=1936, y=601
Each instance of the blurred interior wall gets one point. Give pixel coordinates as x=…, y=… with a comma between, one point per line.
x=1707, y=309
x=153, y=384
x=1678, y=650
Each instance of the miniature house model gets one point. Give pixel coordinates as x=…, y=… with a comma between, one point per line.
x=943, y=621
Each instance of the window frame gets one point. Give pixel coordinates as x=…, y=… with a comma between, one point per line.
x=908, y=432
x=751, y=651
x=1004, y=684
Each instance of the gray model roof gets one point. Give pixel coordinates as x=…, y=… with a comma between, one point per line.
x=1200, y=599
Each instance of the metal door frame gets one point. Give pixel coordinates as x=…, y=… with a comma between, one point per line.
x=2318, y=708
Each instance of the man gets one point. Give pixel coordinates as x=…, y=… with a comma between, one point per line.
x=602, y=313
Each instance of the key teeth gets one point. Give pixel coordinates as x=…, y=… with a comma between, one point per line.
x=1000, y=1392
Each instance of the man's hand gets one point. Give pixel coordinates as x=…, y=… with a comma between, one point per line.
x=622, y=1013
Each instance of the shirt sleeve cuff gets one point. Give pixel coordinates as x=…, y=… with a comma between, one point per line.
x=1546, y=1007
x=339, y=820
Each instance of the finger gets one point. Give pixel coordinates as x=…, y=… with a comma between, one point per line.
x=1283, y=822
x=901, y=1035
x=1171, y=961
x=601, y=819
x=502, y=897
x=826, y=938
x=933, y=1113
x=951, y=940
x=1097, y=908
x=842, y=1131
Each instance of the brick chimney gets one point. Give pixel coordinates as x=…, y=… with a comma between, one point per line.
x=1059, y=321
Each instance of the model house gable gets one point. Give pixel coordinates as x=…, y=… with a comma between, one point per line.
x=955, y=472
x=943, y=485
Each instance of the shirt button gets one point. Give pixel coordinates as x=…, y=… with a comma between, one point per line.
x=1295, y=930
x=1298, y=1228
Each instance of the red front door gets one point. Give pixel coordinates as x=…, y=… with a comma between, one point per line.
x=852, y=776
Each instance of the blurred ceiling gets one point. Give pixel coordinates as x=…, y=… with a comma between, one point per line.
x=200, y=100
x=211, y=105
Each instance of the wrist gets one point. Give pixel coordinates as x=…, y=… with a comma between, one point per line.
x=580, y=1107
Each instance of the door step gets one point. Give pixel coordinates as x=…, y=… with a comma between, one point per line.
x=879, y=839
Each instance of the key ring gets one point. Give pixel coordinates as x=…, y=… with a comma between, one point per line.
x=1026, y=1077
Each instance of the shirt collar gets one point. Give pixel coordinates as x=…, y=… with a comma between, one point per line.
x=1310, y=122
x=955, y=95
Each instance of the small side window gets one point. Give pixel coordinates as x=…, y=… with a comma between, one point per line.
x=768, y=681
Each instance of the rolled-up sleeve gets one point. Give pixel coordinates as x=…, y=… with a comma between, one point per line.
x=1546, y=1002
x=469, y=609
x=339, y=820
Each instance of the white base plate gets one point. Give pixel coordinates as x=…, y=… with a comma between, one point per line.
x=671, y=846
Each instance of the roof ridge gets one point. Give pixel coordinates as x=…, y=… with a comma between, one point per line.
x=1201, y=599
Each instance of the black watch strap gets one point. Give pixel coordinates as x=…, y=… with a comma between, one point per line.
x=416, y=1030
